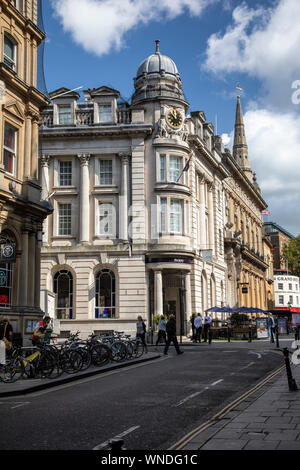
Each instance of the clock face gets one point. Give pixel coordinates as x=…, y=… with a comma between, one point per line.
x=174, y=118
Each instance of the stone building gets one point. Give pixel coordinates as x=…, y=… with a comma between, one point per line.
x=139, y=208
x=21, y=211
x=279, y=238
x=247, y=265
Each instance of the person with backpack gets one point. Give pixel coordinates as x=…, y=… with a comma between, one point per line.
x=171, y=332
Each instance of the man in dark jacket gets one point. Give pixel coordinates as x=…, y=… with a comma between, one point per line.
x=171, y=332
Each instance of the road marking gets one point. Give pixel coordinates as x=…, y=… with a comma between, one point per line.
x=258, y=355
x=197, y=393
x=119, y=436
x=248, y=365
x=217, y=382
x=21, y=404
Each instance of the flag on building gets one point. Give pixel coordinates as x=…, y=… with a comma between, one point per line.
x=265, y=212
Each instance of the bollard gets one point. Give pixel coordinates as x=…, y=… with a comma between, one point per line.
x=297, y=333
x=291, y=381
x=228, y=334
x=116, y=444
x=277, y=337
x=250, y=335
x=209, y=336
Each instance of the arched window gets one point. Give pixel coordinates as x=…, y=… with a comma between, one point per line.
x=63, y=288
x=6, y=269
x=105, y=302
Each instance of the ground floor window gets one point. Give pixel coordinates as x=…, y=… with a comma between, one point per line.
x=63, y=288
x=105, y=302
x=5, y=285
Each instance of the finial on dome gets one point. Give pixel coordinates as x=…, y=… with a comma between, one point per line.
x=157, y=46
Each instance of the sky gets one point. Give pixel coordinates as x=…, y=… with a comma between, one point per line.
x=216, y=44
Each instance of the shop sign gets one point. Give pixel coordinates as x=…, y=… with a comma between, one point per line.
x=282, y=326
x=169, y=260
x=8, y=252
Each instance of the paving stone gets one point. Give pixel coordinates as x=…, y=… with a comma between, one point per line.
x=289, y=445
x=263, y=445
x=282, y=436
x=224, y=444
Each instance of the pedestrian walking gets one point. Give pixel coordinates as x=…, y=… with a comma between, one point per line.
x=207, y=325
x=271, y=327
x=141, y=331
x=198, y=328
x=193, y=327
x=161, y=331
x=171, y=332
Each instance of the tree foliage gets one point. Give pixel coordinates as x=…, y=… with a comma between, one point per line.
x=292, y=254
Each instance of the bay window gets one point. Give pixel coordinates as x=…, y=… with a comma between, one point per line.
x=9, y=156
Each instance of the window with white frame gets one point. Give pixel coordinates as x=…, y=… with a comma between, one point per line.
x=176, y=216
x=291, y=299
x=64, y=114
x=10, y=52
x=105, y=174
x=163, y=215
x=64, y=219
x=18, y=4
x=280, y=286
x=9, y=157
x=105, y=113
x=174, y=168
x=290, y=286
x=281, y=299
x=162, y=168
x=65, y=173
x=106, y=219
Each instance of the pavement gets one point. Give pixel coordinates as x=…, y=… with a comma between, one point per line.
x=267, y=417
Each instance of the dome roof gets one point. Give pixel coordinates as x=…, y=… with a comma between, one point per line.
x=156, y=63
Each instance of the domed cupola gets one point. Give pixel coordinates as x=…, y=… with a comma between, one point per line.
x=157, y=77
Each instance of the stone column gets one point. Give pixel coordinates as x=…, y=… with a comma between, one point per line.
x=31, y=268
x=84, y=199
x=45, y=191
x=211, y=218
x=123, y=200
x=188, y=296
x=35, y=147
x=202, y=225
x=37, y=275
x=24, y=274
x=27, y=152
x=158, y=292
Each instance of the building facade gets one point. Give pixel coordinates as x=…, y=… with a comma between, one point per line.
x=22, y=212
x=287, y=294
x=139, y=205
x=279, y=238
x=246, y=258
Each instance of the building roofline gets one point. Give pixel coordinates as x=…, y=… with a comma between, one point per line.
x=280, y=229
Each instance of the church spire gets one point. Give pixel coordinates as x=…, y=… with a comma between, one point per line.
x=240, y=147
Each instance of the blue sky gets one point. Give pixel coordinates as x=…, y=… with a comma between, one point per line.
x=215, y=44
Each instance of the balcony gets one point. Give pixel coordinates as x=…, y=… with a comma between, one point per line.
x=84, y=116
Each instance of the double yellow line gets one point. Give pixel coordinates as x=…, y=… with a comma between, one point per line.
x=191, y=435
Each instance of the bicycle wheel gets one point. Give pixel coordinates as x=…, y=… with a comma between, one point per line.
x=45, y=365
x=86, y=358
x=118, y=351
x=12, y=371
x=100, y=354
x=139, y=349
x=71, y=361
x=130, y=349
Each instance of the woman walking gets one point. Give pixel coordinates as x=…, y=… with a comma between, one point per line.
x=141, y=331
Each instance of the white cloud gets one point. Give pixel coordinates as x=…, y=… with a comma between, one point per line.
x=263, y=43
x=274, y=150
x=99, y=26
